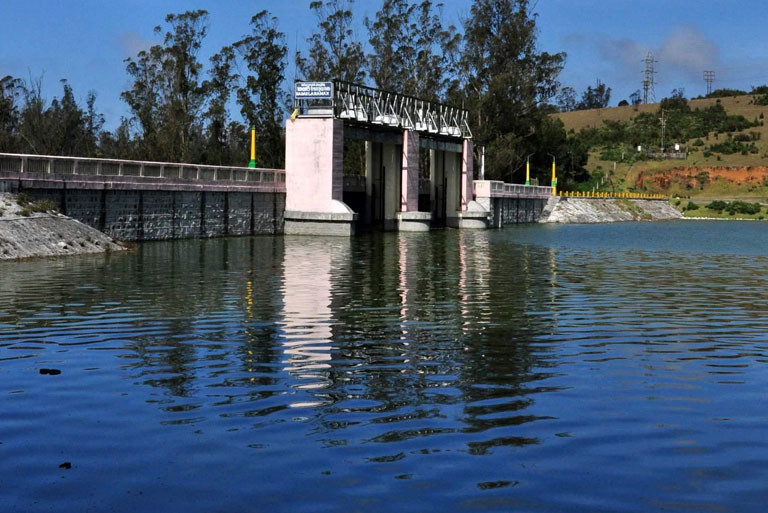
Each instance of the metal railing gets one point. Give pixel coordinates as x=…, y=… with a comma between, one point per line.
x=501, y=189
x=379, y=107
x=84, y=166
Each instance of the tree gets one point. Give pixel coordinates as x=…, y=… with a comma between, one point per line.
x=333, y=52
x=595, y=97
x=507, y=79
x=144, y=98
x=636, y=98
x=262, y=99
x=166, y=95
x=11, y=91
x=566, y=99
x=61, y=128
x=413, y=53
x=184, y=94
x=219, y=87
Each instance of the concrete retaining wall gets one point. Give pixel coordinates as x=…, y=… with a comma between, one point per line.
x=515, y=209
x=138, y=215
x=610, y=210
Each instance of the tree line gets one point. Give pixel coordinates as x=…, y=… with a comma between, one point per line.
x=181, y=108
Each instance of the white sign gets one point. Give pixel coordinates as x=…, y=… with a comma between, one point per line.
x=677, y=147
x=313, y=90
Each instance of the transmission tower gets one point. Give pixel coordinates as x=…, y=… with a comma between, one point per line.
x=648, y=80
x=709, y=77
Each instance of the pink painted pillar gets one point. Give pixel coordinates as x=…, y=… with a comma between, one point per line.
x=409, y=192
x=467, y=170
x=314, y=156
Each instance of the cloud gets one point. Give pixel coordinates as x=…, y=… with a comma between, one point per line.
x=132, y=43
x=624, y=53
x=689, y=51
x=682, y=55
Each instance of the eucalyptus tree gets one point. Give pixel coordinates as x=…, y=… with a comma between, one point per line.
x=413, y=52
x=11, y=92
x=166, y=95
x=219, y=86
x=506, y=80
x=262, y=98
x=333, y=53
x=61, y=127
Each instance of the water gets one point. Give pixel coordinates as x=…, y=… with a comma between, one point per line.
x=538, y=368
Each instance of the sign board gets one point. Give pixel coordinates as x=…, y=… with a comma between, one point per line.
x=313, y=90
x=677, y=147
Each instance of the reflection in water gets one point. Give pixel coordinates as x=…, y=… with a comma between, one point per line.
x=309, y=266
x=458, y=370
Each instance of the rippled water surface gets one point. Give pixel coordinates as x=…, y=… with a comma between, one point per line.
x=569, y=368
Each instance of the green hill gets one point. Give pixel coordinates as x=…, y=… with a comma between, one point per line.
x=725, y=138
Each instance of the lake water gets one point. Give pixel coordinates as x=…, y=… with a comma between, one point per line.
x=594, y=368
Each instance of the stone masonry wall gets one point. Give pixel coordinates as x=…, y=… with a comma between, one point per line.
x=514, y=210
x=138, y=215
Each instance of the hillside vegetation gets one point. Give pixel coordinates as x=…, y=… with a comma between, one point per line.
x=725, y=138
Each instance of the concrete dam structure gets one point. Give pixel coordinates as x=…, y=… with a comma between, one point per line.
x=140, y=201
x=418, y=175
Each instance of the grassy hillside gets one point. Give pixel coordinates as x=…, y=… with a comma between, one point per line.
x=705, y=173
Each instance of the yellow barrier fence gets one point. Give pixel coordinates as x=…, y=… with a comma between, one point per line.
x=615, y=195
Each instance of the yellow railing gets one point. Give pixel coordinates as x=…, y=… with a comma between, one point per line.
x=613, y=195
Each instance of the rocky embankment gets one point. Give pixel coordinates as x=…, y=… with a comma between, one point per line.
x=30, y=229
x=589, y=210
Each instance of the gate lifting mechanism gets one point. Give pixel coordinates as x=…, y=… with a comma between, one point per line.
x=373, y=106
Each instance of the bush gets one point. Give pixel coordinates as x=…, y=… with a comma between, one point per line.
x=37, y=206
x=697, y=142
x=735, y=207
x=23, y=199
x=691, y=206
x=718, y=206
x=742, y=207
x=732, y=146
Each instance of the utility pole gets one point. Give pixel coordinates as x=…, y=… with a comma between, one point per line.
x=709, y=77
x=663, y=120
x=648, y=80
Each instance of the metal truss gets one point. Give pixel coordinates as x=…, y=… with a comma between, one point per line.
x=378, y=107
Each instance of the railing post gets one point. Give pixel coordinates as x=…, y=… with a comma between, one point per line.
x=141, y=169
x=120, y=169
x=74, y=167
x=198, y=172
x=162, y=171
x=50, y=166
x=215, y=174
x=98, y=168
x=23, y=165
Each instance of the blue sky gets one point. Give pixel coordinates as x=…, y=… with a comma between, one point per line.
x=86, y=41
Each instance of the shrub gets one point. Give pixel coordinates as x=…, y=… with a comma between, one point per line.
x=718, y=206
x=38, y=206
x=691, y=206
x=697, y=142
x=23, y=199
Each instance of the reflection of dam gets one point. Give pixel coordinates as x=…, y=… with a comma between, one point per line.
x=308, y=270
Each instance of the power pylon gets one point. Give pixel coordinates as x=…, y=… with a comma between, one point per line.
x=648, y=80
x=709, y=77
